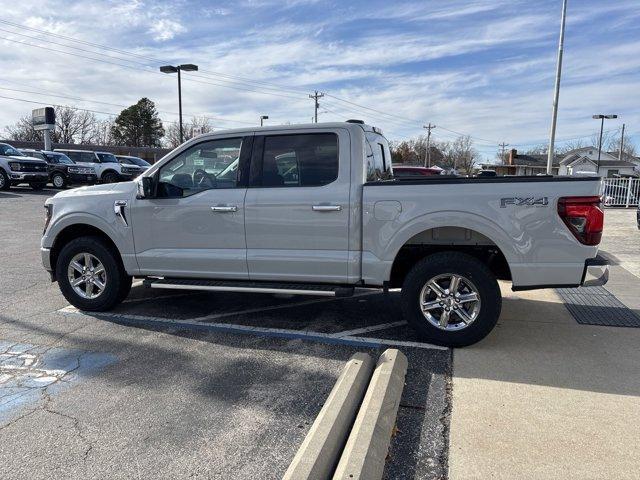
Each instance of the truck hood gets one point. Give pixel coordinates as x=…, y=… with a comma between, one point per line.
x=122, y=188
x=24, y=159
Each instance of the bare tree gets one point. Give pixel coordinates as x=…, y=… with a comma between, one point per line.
x=72, y=126
x=23, y=131
x=196, y=126
x=460, y=154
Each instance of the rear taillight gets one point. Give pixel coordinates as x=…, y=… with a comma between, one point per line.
x=584, y=217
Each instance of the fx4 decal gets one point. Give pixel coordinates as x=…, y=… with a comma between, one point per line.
x=524, y=201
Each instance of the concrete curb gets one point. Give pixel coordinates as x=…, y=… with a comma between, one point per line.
x=366, y=450
x=319, y=453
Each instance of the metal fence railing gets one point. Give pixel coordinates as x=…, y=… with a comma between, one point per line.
x=621, y=192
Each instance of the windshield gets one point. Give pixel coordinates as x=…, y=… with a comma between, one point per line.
x=9, y=151
x=60, y=158
x=107, y=157
x=136, y=161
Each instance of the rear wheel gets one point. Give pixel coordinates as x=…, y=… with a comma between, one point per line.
x=58, y=180
x=5, y=184
x=90, y=275
x=451, y=299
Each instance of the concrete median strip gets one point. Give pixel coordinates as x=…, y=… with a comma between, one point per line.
x=317, y=456
x=366, y=450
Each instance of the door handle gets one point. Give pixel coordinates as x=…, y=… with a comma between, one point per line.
x=225, y=208
x=327, y=208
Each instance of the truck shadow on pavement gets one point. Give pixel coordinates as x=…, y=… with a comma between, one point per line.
x=280, y=381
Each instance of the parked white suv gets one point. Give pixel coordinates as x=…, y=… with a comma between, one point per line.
x=107, y=167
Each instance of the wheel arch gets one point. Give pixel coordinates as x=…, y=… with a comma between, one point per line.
x=448, y=238
x=77, y=230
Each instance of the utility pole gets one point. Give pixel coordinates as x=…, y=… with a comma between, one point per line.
x=556, y=92
x=621, y=144
x=502, y=147
x=428, y=128
x=315, y=97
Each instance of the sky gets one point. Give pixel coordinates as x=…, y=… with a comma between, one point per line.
x=481, y=68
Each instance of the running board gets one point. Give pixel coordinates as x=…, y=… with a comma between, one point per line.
x=249, y=287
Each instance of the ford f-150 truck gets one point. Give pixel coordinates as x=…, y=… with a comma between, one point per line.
x=17, y=168
x=315, y=210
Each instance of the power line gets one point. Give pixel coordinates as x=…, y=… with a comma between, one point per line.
x=44, y=93
x=237, y=79
x=149, y=70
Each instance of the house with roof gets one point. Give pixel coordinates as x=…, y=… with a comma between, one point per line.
x=584, y=161
x=524, y=164
x=581, y=161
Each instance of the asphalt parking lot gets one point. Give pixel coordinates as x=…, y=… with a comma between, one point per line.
x=175, y=384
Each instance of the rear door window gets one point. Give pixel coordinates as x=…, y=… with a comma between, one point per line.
x=300, y=160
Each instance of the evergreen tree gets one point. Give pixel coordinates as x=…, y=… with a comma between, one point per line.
x=138, y=125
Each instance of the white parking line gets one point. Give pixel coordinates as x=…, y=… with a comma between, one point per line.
x=372, y=328
x=290, y=334
x=214, y=316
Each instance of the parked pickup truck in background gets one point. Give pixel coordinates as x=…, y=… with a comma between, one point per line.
x=62, y=171
x=315, y=210
x=17, y=168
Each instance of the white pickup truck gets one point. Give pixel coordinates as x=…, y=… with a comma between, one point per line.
x=315, y=210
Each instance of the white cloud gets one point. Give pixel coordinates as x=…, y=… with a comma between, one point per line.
x=165, y=29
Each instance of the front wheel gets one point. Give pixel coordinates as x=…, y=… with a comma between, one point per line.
x=5, y=184
x=110, y=177
x=90, y=274
x=451, y=299
x=58, y=180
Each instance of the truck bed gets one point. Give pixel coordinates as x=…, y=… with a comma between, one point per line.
x=517, y=215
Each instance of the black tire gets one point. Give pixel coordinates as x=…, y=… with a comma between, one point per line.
x=465, y=266
x=37, y=186
x=110, y=177
x=117, y=282
x=5, y=184
x=58, y=180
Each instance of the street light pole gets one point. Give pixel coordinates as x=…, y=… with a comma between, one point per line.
x=601, y=118
x=556, y=92
x=187, y=67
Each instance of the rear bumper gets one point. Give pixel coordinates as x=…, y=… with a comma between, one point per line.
x=596, y=272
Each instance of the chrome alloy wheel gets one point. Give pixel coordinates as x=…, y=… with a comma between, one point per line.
x=87, y=276
x=450, y=302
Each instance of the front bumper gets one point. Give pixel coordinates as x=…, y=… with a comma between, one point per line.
x=83, y=178
x=596, y=272
x=45, y=253
x=29, y=177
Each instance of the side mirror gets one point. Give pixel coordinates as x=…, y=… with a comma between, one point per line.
x=146, y=187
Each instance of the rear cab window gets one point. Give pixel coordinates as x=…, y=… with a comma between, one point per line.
x=378, y=158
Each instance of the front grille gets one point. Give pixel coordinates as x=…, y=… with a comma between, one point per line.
x=32, y=167
x=129, y=171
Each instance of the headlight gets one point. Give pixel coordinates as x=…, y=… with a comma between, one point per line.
x=48, y=212
x=15, y=166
